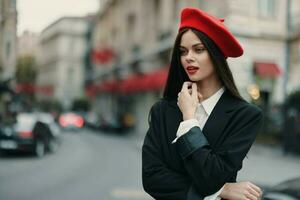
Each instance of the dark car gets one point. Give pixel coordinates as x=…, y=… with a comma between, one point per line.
x=31, y=132
x=287, y=190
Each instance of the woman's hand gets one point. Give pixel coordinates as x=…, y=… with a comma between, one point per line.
x=188, y=100
x=241, y=191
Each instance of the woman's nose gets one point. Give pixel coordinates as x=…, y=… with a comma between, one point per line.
x=189, y=57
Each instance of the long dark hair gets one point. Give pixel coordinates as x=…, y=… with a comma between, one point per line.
x=177, y=76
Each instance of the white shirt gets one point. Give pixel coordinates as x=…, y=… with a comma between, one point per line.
x=202, y=113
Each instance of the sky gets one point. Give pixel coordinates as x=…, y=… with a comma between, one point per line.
x=35, y=15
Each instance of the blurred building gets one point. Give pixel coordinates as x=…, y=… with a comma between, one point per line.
x=132, y=41
x=8, y=51
x=294, y=47
x=8, y=38
x=28, y=44
x=27, y=53
x=61, y=60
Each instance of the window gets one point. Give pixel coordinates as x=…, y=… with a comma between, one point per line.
x=156, y=7
x=8, y=49
x=13, y=4
x=131, y=21
x=266, y=8
x=175, y=9
x=156, y=17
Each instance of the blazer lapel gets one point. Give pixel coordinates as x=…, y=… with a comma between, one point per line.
x=219, y=117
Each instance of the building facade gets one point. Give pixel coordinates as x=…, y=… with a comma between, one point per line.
x=140, y=35
x=28, y=44
x=8, y=38
x=61, y=60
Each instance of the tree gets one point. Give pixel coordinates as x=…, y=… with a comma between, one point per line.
x=81, y=104
x=26, y=70
x=293, y=100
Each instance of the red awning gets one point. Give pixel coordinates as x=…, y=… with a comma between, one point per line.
x=265, y=69
x=108, y=86
x=91, y=90
x=102, y=56
x=139, y=83
x=26, y=88
x=48, y=89
x=104, y=86
x=136, y=83
x=31, y=88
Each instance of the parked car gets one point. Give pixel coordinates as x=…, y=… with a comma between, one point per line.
x=287, y=190
x=71, y=120
x=123, y=123
x=91, y=120
x=31, y=132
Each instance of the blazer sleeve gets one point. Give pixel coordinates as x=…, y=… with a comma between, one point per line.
x=211, y=168
x=160, y=181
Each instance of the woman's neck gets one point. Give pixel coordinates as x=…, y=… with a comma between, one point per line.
x=207, y=89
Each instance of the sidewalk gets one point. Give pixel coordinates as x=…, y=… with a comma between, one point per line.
x=267, y=166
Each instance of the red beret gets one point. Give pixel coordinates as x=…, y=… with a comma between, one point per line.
x=213, y=28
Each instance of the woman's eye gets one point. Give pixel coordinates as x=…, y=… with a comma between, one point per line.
x=200, y=50
x=182, y=52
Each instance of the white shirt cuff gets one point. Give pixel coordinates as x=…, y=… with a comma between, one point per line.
x=184, y=127
x=214, y=196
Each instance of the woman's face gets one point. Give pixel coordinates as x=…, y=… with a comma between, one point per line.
x=195, y=58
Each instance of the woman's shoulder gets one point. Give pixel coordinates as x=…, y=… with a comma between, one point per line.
x=249, y=108
x=162, y=104
x=239, y=104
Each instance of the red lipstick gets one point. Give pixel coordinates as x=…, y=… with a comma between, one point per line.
x=192, y=70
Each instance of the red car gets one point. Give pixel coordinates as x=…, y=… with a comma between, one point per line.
x=71, y=120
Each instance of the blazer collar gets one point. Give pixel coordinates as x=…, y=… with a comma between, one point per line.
x=226, y=98
x=217, y=120
x=209, y=103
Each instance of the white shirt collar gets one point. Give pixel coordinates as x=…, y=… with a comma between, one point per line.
x=209, y=103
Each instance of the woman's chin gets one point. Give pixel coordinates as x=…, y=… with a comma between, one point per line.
x=194, y=79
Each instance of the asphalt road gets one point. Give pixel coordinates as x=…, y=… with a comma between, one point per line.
x=92, y=165
x=87, y=166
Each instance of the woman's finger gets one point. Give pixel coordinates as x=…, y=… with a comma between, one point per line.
x=200, y=97
x=251, y=196
x=257, y=189
x=194, y=91
x=254, y=192
x=185, y=85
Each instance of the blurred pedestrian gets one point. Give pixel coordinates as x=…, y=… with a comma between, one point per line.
x=202, y=129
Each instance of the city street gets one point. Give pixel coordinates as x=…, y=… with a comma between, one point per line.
x=268, y=166
x=104, y=64
x=86, y=166
x=93, y=165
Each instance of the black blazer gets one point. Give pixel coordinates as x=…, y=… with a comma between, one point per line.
x=201, y=161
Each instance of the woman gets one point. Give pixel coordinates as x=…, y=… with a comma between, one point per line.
x=202, y=129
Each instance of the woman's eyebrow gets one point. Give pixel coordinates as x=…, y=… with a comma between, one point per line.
x=194, y=45
x=198, y=44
